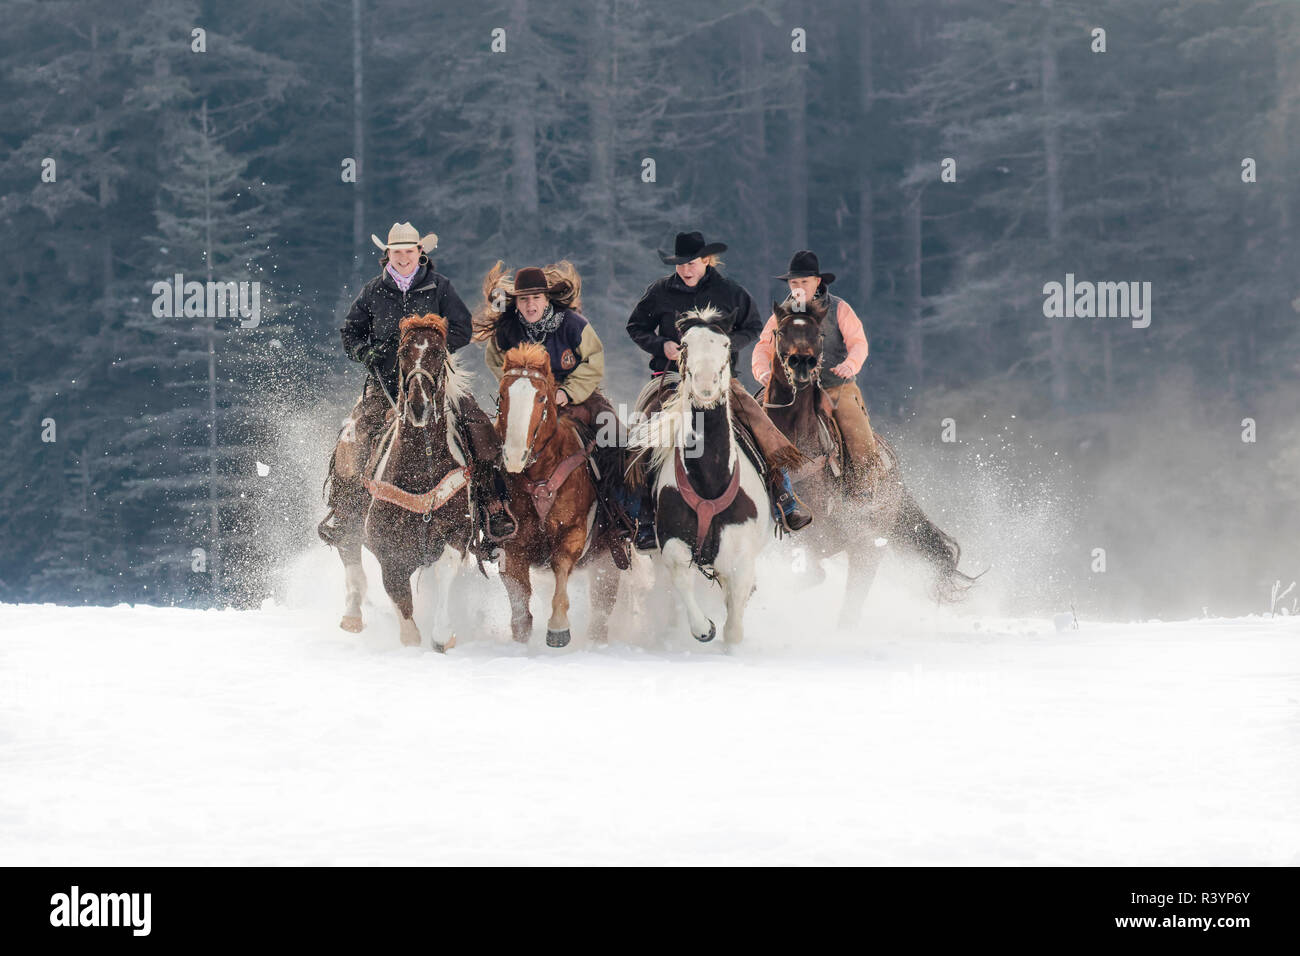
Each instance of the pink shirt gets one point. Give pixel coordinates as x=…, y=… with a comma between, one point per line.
x=855, y=340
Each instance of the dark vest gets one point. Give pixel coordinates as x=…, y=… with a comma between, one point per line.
x=834, y=351
x=561, y=345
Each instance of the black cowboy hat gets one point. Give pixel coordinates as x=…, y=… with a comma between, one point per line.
x=803, y=264
x=688, y=246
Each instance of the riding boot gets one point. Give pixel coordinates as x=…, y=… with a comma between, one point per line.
x=645, y=521
x=787, y=509
x=499, y=521
x=347, y=502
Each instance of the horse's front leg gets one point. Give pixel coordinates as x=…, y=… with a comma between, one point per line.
x=567, y=549
x=677, y=559
x=738, y=586
x=514, y=574
x=445, y=570
x=355, y=578
x=397, y=582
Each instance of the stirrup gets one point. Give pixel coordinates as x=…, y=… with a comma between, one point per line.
x=489, y=513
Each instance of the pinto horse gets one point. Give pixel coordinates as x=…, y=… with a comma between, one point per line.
x=419, y=481
x=843, y=493
x=553, y=499
x=712, y=506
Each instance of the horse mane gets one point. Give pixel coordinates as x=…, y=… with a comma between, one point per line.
x=531, y=357
x=499, y=282
x=426, y=321
x=709, y=315
x=814, y=307
x=459, y=382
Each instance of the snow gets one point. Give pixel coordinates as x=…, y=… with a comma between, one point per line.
x=144, y=735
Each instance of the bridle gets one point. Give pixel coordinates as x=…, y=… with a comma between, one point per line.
x=785, y=366
x=437, y=385
x=684, y=370
x=452, y=482
x=530, y=456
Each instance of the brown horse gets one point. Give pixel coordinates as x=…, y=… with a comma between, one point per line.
x=553, y=499
x=860, y=506
x=419, y=482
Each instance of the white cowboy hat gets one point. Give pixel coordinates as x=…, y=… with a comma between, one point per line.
x=405, y=236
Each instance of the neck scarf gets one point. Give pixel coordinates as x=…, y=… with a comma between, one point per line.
x=403, y=282
x=539, y=330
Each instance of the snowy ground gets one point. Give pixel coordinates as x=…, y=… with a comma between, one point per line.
x=140, y=735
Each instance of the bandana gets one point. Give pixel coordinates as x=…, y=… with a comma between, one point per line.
x=539, y=330
x=403, y=282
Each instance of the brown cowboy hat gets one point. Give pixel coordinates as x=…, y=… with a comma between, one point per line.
x=804, y=264
x=688, y=246
x=531, y=281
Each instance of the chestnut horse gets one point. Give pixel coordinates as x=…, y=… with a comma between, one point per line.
x=419, y=483
x=713, y=510
x=553, y=499
x=860, y=506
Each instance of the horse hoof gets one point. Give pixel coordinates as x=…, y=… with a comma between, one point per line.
x=444, y=648
x=557, y=638
x=713, y=632
x=410, y=641
x=351, y=623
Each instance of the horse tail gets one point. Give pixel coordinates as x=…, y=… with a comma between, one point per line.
x=936, y=546
x=329, y=474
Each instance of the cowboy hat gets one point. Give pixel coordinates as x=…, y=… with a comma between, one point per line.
x=405, y=236
x=803, y=264
x=531, y=281
x=688, y=246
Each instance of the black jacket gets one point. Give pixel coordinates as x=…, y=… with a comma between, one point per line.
x=654, y=320
x=374, y=317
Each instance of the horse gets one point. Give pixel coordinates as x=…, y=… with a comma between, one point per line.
x=843, y=493
x=418, y=482
x=713, y=510
x=553, y=498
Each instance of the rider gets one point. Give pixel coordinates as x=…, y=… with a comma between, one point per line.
x=844, y=350
x=406, y=285
x=695, y=283
x=541, y=306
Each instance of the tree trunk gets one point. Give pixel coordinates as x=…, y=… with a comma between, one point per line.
x=523, y=192
x=601, y=101
x=214, y=508
x=1055, y=200
x=797, y=168
x=358, y=149
x=866, y=226
x=756, y=188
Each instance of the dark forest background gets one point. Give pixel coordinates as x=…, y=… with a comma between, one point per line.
x=1118, y=166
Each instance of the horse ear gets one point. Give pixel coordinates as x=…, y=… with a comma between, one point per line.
x=728, y=321
x=776, y=307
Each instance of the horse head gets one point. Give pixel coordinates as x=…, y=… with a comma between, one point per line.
x=798, y=338
x=422, y=366
x=527, y=415
x=705, y=359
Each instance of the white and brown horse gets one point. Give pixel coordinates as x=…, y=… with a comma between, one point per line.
x=553, y=499
x=860, y=506
x=712, y=509
x=418, y=484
